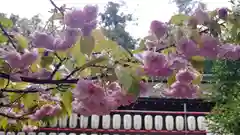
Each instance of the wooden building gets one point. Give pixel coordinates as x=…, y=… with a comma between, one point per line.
x=146, y=116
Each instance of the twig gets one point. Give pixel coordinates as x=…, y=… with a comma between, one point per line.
x=57, y=68
x=8, y=36
x=161, y=49
x=73, y=72
x=55, y=6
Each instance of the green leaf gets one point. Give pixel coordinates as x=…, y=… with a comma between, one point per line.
x=13, y=96
x=77, y=55
x=3, y=123
x=46, y=61
x=179, y=19
x=5, y=22
x=3, y=83
x=87, y=44
x=102, y=43
x=171, y=79
x=21, y=40
x=94, y=61
x=134, y=88
x=67, y=101
x=198, y=63
x=30, y=100
x=124, y=77
x=3, y=38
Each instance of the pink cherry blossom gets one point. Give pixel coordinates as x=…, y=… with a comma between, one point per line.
x=177, y=63
x=209, y=47
x=229, y=51
x=180, y=90
x=156, y=64
x=185, y=76
x=13, y=59
x=187, y=47
x=158, y=28
x=75, y=19
x=201, y=16
x=16, y=60
x=86, y=90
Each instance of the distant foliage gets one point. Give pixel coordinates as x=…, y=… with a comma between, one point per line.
x=114, y=23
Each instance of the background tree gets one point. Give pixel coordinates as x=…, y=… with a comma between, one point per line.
x=114, y=23
x=187, y=6
x=226, y=94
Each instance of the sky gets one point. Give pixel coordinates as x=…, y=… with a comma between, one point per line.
x=144, y=10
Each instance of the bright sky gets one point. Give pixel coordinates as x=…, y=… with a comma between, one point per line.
x=144, y=10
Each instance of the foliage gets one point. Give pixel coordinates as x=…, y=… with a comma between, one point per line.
x=187, y=6
x=225, y=117
x=75, y=68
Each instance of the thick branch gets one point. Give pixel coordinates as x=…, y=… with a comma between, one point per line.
x=12, y=117
x=23, y=91
x=46, y=81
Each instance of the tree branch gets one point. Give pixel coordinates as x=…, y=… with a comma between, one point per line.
x=46, y=81
x=56, y=7
x=23, y=91
x=57, y=68
x=161, y=49
x=12, y=117
x=8, y=36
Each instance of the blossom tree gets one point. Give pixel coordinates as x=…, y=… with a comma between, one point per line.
x=46, y=75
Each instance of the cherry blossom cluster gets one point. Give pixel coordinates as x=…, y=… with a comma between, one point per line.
x=21, y=61
x=207, y=46
x=77, y=21
x=46, y=110
x=183, y=87
x=91, y=98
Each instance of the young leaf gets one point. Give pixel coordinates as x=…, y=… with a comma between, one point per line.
x=30, y=100
x=5, y=22
x=3, y=123
x=124, y=77
x=179, y=19
x=198, y=63
x=3, y=38
x=103, y=43
x=67, y=101
x=94, y=61
x=171, y=79
x=21, y=40
x=198, y=78
x=46, y=61
x=134, y=88
x=3, y=83
x=77, y=55
x=87, y=44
